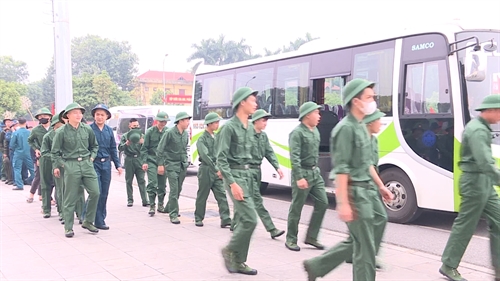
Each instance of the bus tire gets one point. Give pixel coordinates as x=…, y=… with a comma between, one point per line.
x=263, y=187
x=404, y=208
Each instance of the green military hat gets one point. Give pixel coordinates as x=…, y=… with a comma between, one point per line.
x=241, y=94
x=374, y=116
x=70, y=107
x=41, y=111
x=307, y=108
x=181, y=115
x=353, y=88
x=260, y=113
x=134, y=135
x=162, y=116
x=490, y=102
x=56, y=119
x=211, y=118
x=61, y=116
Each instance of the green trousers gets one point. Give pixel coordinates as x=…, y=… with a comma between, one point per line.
x=478, y=198
x=365, y=235
x=208, y=180
x=244, y=213
x=258, y=202
x=156, y=185
x=46, y=182
x=175, y=179
x=133, y=167
x=78, y=176
x=80, y=202
x=299, y=196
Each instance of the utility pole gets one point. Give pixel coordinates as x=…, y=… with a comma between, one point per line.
x=62, y=55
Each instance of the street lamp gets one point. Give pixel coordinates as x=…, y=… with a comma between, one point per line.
x=163, y=72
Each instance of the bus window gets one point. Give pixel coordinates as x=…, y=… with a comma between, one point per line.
x=259, y=80
x=292, y=89
x=216, y=94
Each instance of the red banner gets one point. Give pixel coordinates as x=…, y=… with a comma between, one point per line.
x=178, y=99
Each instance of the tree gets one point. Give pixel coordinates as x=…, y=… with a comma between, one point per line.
x=13, y=70
x=157, y=97
x=10, y=96
x=92, y=54
x=292, y=46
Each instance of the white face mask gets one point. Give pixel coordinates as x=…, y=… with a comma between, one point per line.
x=369, y=107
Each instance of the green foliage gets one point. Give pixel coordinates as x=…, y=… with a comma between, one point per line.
x=12, y=70
x=10, y=96
x=42, y=92
x=156, y=99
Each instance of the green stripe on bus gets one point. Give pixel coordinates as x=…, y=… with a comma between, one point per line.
x=387, y=141
x=284, y=147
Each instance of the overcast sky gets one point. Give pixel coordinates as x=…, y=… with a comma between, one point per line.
x=155, y=28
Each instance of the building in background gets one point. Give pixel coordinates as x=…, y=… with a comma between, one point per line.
x=178, y=88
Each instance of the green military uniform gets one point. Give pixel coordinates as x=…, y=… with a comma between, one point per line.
x=352, y=154
x=172, y=154
x=74, y=149
x=207, y=177
x=479, y=197
x=133, y=165
x=156, y=183
x=235, y=142
x=35, y=142
x=304, y=154
x=262, y=148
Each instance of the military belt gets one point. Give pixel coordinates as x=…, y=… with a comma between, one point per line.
x=132, y=155
x=79, y=159
x=244, y=167
x=103, y=159
x=309, y=167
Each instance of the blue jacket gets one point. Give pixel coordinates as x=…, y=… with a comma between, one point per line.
x=19, y=142
x=107, y=144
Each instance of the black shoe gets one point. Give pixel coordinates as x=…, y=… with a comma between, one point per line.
x=145, y=205
x=103, y=227
x=130, y=204
x=46, y=215
x=225, y=224
x=69, y=233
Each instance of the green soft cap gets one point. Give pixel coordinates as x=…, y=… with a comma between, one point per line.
x=134, y=135
x=374, y=116
x=241, y=94
x=211, y=118
x=307, y=108
x=260, y=113
x=55, y=120
x=162, y=116
x=72, y=106
x=490, y=102
x=181, y=115
x=41, y=111
x=353, y=88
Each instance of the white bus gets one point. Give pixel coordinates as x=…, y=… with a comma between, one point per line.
x=428, y=84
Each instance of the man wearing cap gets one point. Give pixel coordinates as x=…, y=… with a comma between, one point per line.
x=19, y=145
x=356, y=195
x=156, y=182
x=235, y=142
x=306, y=177
x=74, y=148
x=46, y=178
x=131, y=143
x=209, y=175
x=4, y=151
x=102, y=164
x=479, y=198
x=172, y=160
x=8, y=155
x=262, y=148
x=35, y=141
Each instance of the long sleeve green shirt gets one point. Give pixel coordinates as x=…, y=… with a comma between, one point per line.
x=374, y=144
x=47, y=144
x=150, y=146
x=475, y=153
x=172, y=149
x=262, y=149
x=132, y=148
x=351, y=150
x=36, y=137
x=234, y=146
x=304, y=149
x=206, y=150
x=73, y=143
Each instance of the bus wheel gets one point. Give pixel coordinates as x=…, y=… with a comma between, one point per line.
x=263, y=187
x=403, y=209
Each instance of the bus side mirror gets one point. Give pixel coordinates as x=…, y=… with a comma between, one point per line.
x=475, y=65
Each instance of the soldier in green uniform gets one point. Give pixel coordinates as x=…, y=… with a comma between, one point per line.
x=235, y=142
x=156, y=183
x=356, y=195
x=74, y=149
x=35, y=141
x=172, y=159
x=131, y=144
x=46, y=178
x=209, y=175
x=479, y=198
x=262, y=148
x=306, y=177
